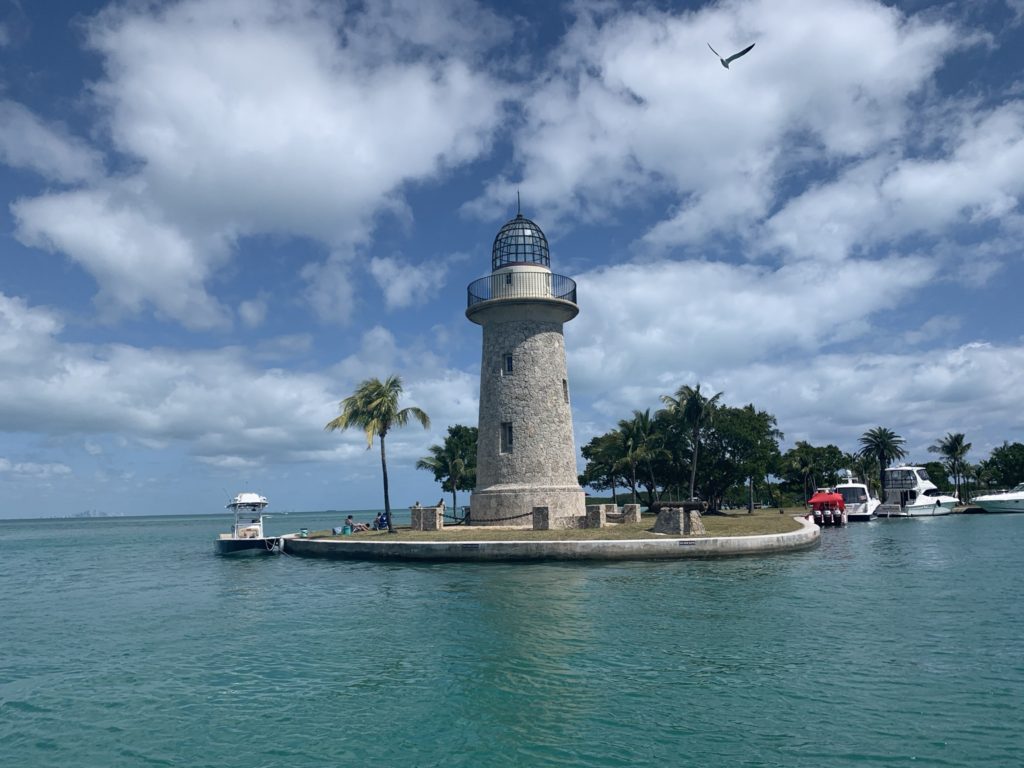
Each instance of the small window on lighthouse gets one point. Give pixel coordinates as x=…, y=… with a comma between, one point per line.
x=506, y=437
x=565, y=390
x=508, y=365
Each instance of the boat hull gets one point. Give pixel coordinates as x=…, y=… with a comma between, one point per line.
x=247, y=547
x=1000, y=506
x=862, y=512
x=916, y=510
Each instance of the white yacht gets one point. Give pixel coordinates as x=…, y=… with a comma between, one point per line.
x=246, y=536
x=860, y=504
x=1008, y=501
x=909, y=492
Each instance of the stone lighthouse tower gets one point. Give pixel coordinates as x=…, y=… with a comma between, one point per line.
x=526, y=456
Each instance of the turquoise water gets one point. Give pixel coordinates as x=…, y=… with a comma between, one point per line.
x=126, y=642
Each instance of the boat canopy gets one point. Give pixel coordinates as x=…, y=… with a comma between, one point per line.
x=822, y=500
x=248, y=500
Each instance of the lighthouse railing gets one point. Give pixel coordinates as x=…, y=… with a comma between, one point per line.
x=522, y=285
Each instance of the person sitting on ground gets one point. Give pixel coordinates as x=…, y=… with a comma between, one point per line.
x=356, y=526
x=380, y=522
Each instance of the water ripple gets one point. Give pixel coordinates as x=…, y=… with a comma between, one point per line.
x=125, y=643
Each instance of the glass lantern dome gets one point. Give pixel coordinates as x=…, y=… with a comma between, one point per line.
x=520, y=241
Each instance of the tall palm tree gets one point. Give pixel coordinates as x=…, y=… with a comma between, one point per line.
x=885, y=445
x=373, y=407
x=695, y=411
x=953, y=448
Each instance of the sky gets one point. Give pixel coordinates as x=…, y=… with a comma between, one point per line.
x=219, y=217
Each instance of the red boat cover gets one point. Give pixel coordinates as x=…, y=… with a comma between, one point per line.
x=827, y=501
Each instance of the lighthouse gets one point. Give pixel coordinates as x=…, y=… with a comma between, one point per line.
x=526, y=456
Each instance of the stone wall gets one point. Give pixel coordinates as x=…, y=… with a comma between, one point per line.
x=513, y=505
x=544, y=519
x=385, y=548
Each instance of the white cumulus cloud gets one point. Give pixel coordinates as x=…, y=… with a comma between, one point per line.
x=50, y=150
x=289, y=117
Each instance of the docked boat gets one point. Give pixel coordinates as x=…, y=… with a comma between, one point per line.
x=860, y=504
x=828, y=508
x=1009, y=501
x=909, y=492
x=246, y=536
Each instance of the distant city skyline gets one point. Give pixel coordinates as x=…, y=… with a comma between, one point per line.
x=220, y=217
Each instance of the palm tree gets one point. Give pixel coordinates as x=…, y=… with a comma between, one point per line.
x=453, y=463
x=695, y=411
x=604, y=462
x=646, y=443
x=630, y=451
x=802, y=462
x=985, y=473
x=373, y=407
x=885, y=446
x=953, y=448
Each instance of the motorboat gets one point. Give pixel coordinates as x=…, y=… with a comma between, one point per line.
x=1008, y=501
x=909, y=492
x=860, y=504
x=828, y=508
x=246, y=536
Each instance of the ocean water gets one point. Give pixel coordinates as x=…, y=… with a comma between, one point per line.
x=126, y=642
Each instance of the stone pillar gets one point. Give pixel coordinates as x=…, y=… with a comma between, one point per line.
x=681, y=520
x=541, y=519
x=631, y=513
x=426, y=518
x=596, y=517
x=694, y=524
x=670, y=520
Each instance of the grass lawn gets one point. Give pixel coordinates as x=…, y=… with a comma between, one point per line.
x=737, y=523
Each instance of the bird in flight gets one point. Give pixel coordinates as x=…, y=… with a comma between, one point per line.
x=725, y=62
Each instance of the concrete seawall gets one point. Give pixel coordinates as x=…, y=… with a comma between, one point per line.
x=809, y=535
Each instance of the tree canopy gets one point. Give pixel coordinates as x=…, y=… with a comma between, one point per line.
x=700, y=446
x=454, y=462
x=733, y=445
x=1004, y=468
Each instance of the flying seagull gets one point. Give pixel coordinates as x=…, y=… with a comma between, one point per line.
x=725, y=62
